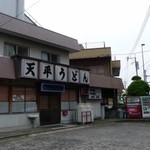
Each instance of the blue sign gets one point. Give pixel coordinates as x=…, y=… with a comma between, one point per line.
x=50, y=87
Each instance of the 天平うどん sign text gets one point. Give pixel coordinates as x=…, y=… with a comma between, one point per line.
x=47, y=71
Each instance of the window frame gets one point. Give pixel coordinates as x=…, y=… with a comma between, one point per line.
x=16, y=50
x=25, y=105
x=25, y=101
x=5, y=104
x=49, y=57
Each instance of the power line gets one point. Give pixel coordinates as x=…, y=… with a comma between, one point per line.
x=129, y=53
x=141, y=30
x=18, y=14
x=33, y=5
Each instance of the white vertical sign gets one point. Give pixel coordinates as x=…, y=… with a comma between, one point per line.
x=61, y=73
x=73, y=75
x=84, y=77
x=29, y=68
x=145, y=101
x=46, y=71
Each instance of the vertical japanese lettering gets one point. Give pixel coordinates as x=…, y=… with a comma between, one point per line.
x=30, y=69
x=74, y=75
x=47, y=70
x=84, y=77
x=62, y=73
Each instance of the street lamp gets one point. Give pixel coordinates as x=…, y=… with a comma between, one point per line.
x=143, y=62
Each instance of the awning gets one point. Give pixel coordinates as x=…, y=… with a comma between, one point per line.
x=7, y=68
x=106, y=82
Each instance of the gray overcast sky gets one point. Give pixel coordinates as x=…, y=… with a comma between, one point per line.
x=116, y=22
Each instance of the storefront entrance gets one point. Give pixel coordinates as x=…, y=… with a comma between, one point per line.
x=50, y=109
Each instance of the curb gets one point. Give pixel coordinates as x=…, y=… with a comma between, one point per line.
x=21, y=133
x=42, y=130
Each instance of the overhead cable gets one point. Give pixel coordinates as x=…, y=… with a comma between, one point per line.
x=141, y=31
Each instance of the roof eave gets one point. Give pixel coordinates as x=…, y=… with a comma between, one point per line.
x=38, y=40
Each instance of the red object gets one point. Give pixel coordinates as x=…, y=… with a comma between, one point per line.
x=133, y=107
x=86, y=116
x=84, y=91
x=65, y=113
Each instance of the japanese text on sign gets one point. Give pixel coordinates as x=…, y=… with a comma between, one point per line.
x=47, y=71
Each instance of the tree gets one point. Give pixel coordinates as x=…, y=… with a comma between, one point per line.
x=138, y=87
x=136, y=78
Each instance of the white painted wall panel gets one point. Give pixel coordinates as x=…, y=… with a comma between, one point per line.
x=10, y=121
x=8, y=7
x=13, y=8
x=97, y=108
x=35, y=48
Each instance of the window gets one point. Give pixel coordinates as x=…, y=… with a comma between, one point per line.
x=45, y=56
x=50, y=57
x=54, y=58
x=4, y=93
x=22, y=51
x=17, y=100
x=12, y=49
x=9, y=50
x=68, y=100
x=4, y=103
x=23, y=100
x=31, y=105
x=18, y=97
x=95, y=94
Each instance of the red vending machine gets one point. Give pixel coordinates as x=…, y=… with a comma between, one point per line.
x=133, y=107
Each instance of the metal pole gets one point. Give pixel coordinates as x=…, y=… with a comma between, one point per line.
x=136, y=63
x=136, y=66
x=143, y=61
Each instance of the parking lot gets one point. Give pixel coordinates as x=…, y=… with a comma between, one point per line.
x=109, y=136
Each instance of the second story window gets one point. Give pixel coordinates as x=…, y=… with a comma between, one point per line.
x=9, y=50
x=12, y=49
x=50, y=57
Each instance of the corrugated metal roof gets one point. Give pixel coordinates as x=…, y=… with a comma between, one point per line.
x=91, y=53
x=7, y=68
x=105, y=81
x=32, y=32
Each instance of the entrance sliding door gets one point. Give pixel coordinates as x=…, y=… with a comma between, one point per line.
x=50, y=109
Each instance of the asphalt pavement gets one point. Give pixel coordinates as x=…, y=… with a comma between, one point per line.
x=49, y=128
x=100, y=135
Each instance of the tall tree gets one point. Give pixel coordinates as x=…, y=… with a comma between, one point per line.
x=138, y=87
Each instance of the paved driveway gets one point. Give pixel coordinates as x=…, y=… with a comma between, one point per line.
x=111, y=136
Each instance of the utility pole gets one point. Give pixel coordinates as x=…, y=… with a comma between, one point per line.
x=144, y=71
x=136, y=63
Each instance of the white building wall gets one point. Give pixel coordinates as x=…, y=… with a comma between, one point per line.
x=97, y=108
x=13, y=8
x=35, y=48
x=35, y=51
x=20, y=9
x=16, y=121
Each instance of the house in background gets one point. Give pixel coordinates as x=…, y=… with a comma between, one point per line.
x=36, y=80
x=104, y=86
